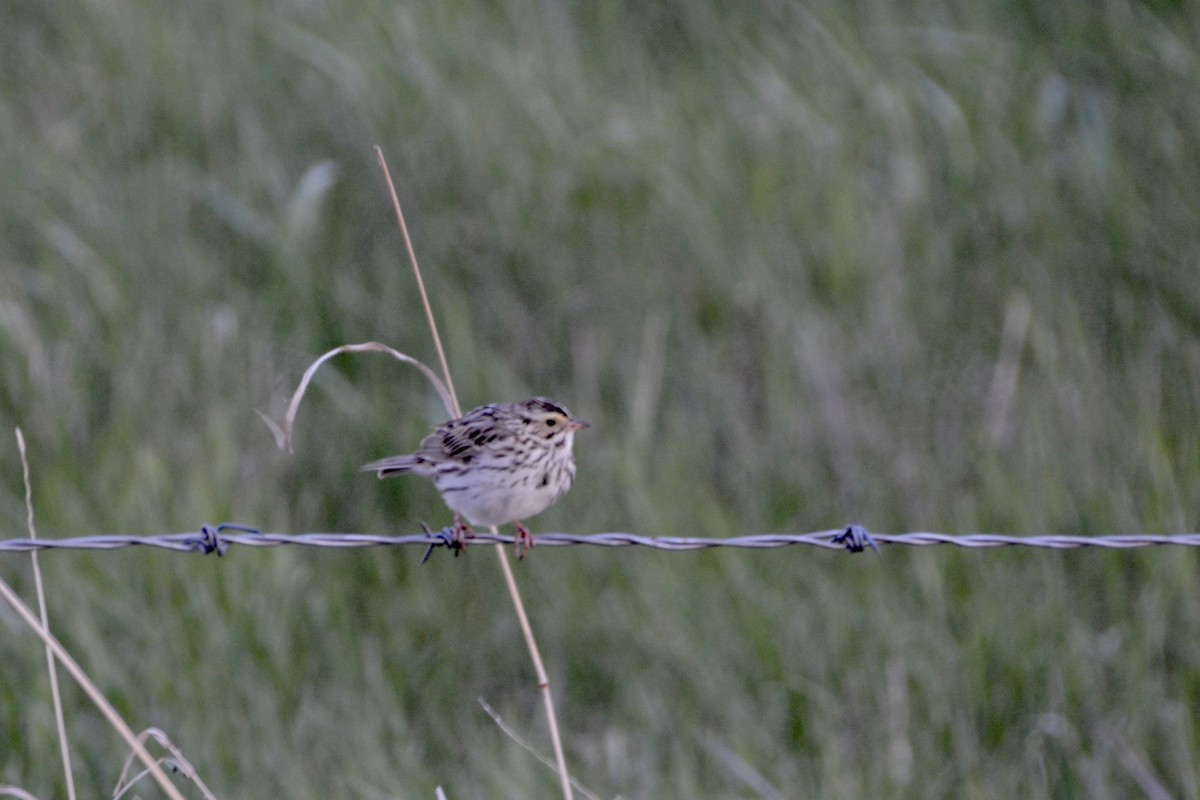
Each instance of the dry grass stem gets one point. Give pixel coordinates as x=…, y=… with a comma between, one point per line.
x=1003, y=390
x=650, y=374
x=56, y=696
x=177, y=763
x=513, y=590
x=535, y=655
x=106, y=708
x=516, y=737
x=283, y=436
x=412, y=259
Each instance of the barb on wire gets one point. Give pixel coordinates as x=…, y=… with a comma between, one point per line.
x=854, y=538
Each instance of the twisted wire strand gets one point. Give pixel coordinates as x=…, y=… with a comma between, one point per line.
x=218, y=538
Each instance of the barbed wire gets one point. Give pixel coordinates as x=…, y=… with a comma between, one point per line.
x=854, y=538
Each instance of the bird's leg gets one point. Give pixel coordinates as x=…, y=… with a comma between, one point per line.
x=523, y=540
x=461, y=532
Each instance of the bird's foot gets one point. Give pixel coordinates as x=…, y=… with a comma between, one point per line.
x=462, y=532
x=523, y=540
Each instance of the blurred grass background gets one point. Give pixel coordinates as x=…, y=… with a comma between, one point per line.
x=927, y=265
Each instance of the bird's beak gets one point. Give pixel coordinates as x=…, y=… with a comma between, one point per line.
x=577, y=425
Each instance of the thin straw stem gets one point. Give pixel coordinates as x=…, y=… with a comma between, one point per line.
x=55, y=695
x=106, y=708
x=412, y=258
x=513, y=591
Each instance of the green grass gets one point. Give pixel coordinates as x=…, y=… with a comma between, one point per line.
x=768, y=251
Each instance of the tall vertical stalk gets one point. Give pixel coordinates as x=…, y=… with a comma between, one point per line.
x=505, y=567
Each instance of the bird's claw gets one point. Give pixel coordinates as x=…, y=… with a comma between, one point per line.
x=522, y=542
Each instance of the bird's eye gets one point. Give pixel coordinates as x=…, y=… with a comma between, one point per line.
x=550, y=423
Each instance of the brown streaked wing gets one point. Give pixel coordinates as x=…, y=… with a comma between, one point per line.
x=460, y=439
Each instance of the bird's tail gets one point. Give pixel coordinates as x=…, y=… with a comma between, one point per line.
x=394, y=465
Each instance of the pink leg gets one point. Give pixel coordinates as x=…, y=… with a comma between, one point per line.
x=462, y=532
x=523, y=540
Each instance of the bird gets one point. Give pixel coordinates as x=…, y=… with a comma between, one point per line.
x=498, y=463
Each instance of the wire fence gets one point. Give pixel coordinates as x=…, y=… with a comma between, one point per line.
x=853, y=538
